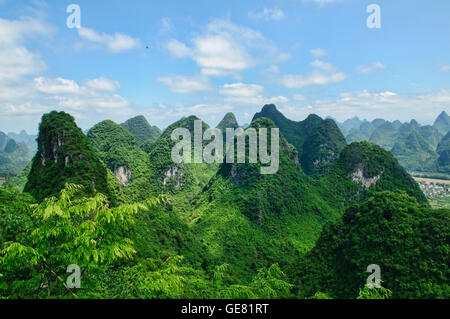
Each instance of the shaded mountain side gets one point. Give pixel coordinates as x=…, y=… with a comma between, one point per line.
x=415, y=153
x=384, y=135
x=169, y=177
x=408, y=241
x=229, y=121
x=144, y=133
x=442, y=123
x=3, y=140
x=364, y=169
x=118, y=149
x=65, y=155
x=25, y=138
x=251, y=220
x=318, y=141
x=443, y=151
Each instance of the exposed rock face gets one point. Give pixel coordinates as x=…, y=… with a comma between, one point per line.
x=123, y=174
x=358, y=177
x=175, y=174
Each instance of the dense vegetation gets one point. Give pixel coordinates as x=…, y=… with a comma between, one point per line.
x=145, y=134
x=217, y=230
x=317, y=141
x=65, y=155
x=118, y=149
x=407, y=240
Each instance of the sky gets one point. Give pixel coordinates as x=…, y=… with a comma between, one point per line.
x=168, y=59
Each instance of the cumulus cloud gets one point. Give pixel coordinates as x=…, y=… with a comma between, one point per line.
x=186, y=84
x=248, y=94
x=225, y=48
x=317, y=53
x=322, y=73
x=376, y=66
x=268, y=14
x=322, y=3
x=103, y=84
x=118, y=42
x=16, y=60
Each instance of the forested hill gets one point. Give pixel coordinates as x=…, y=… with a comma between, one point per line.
x=319, y=142
x=145, y=134
x=176, y=230
x=65, y=155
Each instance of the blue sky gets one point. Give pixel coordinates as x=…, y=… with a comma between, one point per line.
x=167, y=59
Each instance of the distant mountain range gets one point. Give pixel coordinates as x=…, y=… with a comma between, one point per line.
x=418, y=148
x=16, y=150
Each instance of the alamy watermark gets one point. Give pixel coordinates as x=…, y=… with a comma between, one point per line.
x=374, y=280
x=73, y=280
x=214, y=151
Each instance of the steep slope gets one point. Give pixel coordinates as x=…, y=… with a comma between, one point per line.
x=169, y=177
x=364, y=169
x=229, y=121
x=384, y=135
x=13, y=157
x=250, y=220
x=3, y=140
x=28, y=140
x=65, y=155
x=118, y=149
x=415, y=153
x=443, y=150
x=355, y=136
x=408, y=241
x=318, y=141
x=142, y=130
x=442, y=123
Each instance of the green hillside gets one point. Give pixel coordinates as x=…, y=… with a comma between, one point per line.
x=65, y=155
x=228, y=121
x=407, y=240
x=443, y=151
x=144, y=133
x=118, y=149
x=318, y=141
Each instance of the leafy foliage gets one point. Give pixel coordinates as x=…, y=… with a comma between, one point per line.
x=67, y=230
x=407, y=240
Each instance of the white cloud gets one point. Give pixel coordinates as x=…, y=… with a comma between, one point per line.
x=118, y=42
x=317, y=53
x=17, y=61
x=56, y=86
x=102, y=84
x=185, y=84
x=323, y=73
x=25, y=100
x=322, y=3
x=166, y=26
x=376, y=66
x=444, y=68
x=225, y=48
x=178, y=49
x=268, y=14
x=248, y=94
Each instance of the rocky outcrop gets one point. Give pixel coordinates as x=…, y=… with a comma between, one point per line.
x=358, y=177
x=174, y=175
x=123, y=174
